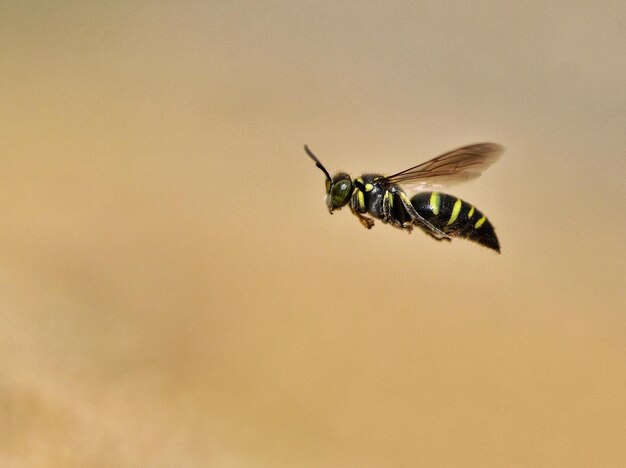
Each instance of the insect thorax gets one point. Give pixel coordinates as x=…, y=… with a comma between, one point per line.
x=374, y=192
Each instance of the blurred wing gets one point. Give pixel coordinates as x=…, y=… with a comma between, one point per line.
x=456, y=166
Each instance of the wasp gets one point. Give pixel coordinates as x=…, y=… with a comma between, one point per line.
x=441, y=215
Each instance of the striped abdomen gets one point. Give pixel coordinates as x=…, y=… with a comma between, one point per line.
x=456, y=218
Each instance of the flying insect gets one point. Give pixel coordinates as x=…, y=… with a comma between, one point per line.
x=441, y=215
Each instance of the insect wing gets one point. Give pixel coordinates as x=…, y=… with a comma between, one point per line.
x=455, y=166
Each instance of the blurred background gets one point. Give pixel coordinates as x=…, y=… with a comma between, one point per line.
x=173, y=291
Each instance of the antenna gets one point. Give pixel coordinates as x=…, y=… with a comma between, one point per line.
x=317, y=162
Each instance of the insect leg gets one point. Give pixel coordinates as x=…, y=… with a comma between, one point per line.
x=387, y=210
x=387, y=207
x=357, y=204
x=419, y=220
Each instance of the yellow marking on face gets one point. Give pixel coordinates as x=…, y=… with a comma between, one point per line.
x=456, y=209
x=480, y=222
x=390, y=199
x=361, y=199
x=359, y=180
x=435, y=202
x=369, y=187
x=471, y=213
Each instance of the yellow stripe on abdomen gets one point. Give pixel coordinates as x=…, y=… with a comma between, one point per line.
x=456, y=209
x=480, y=222
x=435, y=202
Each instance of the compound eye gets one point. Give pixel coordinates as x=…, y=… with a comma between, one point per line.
x=339, y=192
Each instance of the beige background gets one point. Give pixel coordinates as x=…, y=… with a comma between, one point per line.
x=174, y=293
